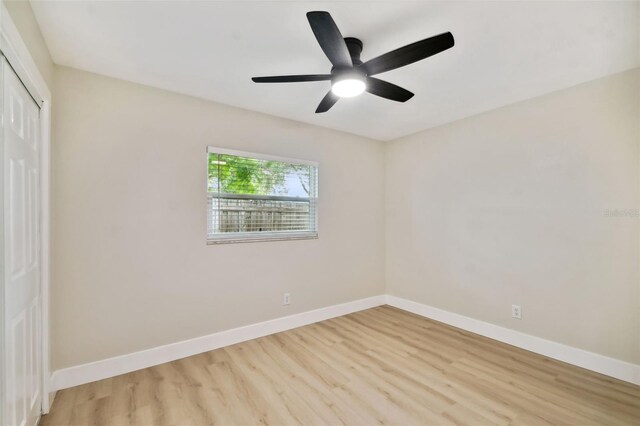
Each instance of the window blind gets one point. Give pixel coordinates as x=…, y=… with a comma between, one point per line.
x=258, y=197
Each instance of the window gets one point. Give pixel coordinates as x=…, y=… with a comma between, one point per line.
x=255, y=197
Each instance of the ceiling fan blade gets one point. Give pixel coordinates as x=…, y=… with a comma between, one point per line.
x=387, y=90
x=327, y=102
x=409, y=54
x=292, y=78
x=329, y=38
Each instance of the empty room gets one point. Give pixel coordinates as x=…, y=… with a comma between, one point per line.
x=340, y=212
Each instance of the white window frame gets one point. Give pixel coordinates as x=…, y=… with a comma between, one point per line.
x=246, y=237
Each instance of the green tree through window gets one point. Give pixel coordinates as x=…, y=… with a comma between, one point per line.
x=241, y=175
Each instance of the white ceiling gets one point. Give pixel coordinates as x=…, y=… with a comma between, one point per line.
x=505, y=52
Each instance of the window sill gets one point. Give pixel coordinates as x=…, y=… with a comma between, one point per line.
x=254, y=238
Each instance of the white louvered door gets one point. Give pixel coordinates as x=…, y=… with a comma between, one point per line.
x=22, y=355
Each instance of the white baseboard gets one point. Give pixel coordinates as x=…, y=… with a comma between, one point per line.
x=599, y=363
x=90, y=372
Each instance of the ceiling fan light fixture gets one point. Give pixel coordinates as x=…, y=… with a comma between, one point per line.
x=348, y=85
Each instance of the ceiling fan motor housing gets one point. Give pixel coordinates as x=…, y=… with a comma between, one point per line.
x=355, y=49
x=356, y=72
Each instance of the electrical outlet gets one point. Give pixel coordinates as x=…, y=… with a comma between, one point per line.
x=286, y=300
x=516, y=311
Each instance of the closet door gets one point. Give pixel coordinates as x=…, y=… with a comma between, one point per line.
x=22, y=355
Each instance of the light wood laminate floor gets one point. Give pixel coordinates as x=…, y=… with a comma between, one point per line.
x=379, y=366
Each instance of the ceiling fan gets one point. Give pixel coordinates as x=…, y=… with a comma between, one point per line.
x=349, y=75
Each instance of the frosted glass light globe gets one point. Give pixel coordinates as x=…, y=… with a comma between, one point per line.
x=348, y=88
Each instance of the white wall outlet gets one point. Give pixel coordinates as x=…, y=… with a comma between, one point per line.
x=286, y=300
x=516, y=311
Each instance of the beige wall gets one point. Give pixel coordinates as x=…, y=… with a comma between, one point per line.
x=132, y=267
x=505, y=207
x=508, y=207
x=22, y=16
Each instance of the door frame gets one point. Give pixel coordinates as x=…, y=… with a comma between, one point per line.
x=17, y=54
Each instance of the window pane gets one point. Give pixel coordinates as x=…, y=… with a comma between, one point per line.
x=241, y=175
x=248, y=196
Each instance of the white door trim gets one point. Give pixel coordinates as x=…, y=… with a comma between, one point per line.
x=15, y=50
